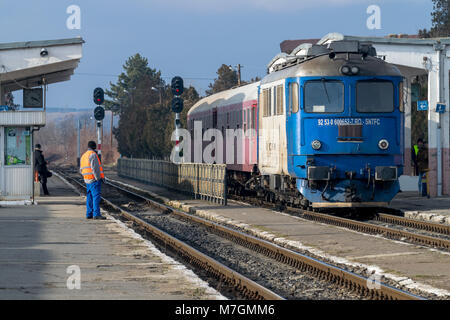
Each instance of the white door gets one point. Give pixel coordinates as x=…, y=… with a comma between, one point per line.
x=16, y=160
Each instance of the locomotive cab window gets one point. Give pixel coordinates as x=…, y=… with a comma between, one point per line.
x=324, y=96
x=374, y=96
x=293, y=96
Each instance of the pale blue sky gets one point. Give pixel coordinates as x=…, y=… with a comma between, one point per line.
x=192, y=38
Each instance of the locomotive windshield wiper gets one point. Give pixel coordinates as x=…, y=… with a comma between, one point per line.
x=326, y=91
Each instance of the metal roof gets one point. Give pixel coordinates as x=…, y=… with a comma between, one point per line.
x=226, y=98
x=40, y=43
x=23, y=66
x=384, y=40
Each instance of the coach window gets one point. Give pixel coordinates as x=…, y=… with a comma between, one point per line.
x=324, y=96
x=293, y=96
x=374, y=96
x=274, y=104
x=265, y=102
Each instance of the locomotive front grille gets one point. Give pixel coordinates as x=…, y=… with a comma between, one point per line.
x=350, y=132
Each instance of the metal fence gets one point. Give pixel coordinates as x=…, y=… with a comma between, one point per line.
x=202, y=181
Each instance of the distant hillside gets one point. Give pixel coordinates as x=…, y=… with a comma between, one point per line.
x=61, y=114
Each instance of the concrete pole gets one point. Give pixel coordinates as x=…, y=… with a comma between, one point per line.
x=433, y=126
x=239, y=74
x=111, y=131
x=78, y=142
x=446, y=128
x=440, y=51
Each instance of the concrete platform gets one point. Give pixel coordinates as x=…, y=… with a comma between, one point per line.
x=429, y=209
x=415, y=267
x=39, y=244
x=414, y=206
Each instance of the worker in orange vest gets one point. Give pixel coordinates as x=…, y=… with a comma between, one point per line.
x=92, y=172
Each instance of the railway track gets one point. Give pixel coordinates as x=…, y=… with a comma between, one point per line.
x=338, y=277
x=413, y=223
x=390, y=226
x=244, y=286
x=437, y=241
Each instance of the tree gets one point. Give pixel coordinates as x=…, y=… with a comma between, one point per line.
x=227, y=78
x=440, y=18
x=139, y=108
x=146, y=123
x=9, y=99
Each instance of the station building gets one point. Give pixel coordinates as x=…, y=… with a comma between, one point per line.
x=30, y=67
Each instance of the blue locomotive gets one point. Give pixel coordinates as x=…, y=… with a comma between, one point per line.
x=324, y=128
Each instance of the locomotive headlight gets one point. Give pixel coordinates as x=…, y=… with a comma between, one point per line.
x=345, y=69
x=316, y=144
x=355, y=70
x=383, y=144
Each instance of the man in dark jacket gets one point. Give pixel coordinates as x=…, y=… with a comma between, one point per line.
x=40, y=166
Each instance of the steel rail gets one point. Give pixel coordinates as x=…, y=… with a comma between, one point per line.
x=353, y=282
x=247, y=287
x=414, y=223
x=373, y=229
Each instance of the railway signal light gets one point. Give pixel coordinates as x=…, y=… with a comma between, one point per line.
x=177, y=86
x=177, y=105
x=99, y=96
x=99, y=113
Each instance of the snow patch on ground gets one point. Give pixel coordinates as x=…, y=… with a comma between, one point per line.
x=189, y=275
x=429, y=217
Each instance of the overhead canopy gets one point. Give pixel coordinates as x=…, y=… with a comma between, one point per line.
x=34, y=63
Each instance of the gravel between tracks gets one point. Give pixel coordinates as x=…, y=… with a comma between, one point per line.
x=286, y=281
x=282, y=279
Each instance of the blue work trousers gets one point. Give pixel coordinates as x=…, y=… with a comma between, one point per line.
x=93, y=198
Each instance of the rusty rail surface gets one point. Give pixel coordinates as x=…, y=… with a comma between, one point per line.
x=414, y=223
x=245, y=286
x=351, y=281
x=373, y=229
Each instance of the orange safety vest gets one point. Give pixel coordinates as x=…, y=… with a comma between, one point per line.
x=86, y=169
